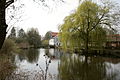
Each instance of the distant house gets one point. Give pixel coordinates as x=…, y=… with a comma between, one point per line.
x=54, y=41
x=113, y=41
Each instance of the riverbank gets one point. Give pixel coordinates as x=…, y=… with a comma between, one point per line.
x=6, y=66
x=96, y=52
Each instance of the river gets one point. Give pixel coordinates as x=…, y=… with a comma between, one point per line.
x=54, y=64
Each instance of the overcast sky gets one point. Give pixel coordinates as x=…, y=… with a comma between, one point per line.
x=44, y=18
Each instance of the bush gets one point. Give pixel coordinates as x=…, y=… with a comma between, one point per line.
x=45, y=43
x=6, y=57
x=6, y=68
x=8, y=46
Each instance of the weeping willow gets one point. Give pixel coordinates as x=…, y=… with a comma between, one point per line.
x=68, y=35
x=97, y=37
x=83, y=28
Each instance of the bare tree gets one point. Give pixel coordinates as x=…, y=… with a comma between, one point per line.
x=4, y=4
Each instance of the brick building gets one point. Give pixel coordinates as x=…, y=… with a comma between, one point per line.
x=113, y=41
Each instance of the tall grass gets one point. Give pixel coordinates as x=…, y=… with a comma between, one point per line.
x=6, y=68
x=6, y=65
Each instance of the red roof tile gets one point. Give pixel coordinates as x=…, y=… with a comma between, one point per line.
x=53, y=34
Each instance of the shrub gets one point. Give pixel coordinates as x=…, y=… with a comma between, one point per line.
x=8, y=46
x=6, y=68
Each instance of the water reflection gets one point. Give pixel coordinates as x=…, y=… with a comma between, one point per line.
x=73, y=67
x=54, y=53
x=31, y=55
x=66, y=66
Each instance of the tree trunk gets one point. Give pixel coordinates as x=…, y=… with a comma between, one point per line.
x=2, y=35
x=3, y=25
x=87, y=32
x=86, y=43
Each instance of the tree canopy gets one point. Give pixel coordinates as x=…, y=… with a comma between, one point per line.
x=33, y=37
x=47, y=35
x=85, y=27
x=4, y=4
x=12, y=34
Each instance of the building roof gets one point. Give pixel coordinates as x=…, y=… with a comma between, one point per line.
x=53, y=34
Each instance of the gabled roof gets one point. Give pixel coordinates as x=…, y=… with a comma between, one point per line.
x=53, y=34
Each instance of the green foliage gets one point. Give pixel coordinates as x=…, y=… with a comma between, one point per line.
x=25, y=40
x=12, y=34
x=45, y=42
x=33, y=37
x=85, y=27
x=8, y=47
x=21, y=36
x=47, y=35
x=97, y=37
x=20, y=40
x=21, y=33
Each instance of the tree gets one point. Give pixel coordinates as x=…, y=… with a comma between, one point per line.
x=4, y=4
x=21, y=36
x=12, y=34
x=3, y=26
x=47, y=35
x=45, y=43
x=8, y=47
x=33, y=37
x=85, y=27
x=21, y=33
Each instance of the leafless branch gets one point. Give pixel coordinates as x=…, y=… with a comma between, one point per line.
x=8, y=3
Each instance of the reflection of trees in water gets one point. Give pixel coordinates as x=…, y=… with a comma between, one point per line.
x=31, y=55
x=53, y=53
x=89, y=68
x=21, y=55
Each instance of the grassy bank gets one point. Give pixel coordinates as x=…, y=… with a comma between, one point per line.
x=6, y=66
x=7, y=58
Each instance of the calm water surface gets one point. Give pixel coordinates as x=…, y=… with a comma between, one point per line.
x=64, y=66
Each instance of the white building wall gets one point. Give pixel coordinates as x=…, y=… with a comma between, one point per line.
x=51, y=42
